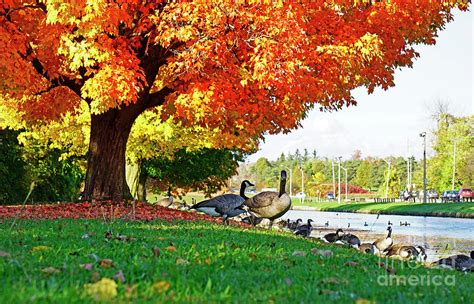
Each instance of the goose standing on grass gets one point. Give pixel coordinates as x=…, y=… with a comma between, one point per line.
x=383, y=244
x=252, y=220
x=351, y=240
x=333, y=237
x=270, y=205
x=226, y=205
x=295, y=224
x=459, y=262
x=167, y=200
x=304, y=230
x=367, y=248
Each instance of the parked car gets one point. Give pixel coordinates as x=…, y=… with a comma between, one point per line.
x=330, y=196
x=466, y=194
x=432, y=194
x=450, y=195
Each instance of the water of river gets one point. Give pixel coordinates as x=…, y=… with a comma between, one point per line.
x=442, y=236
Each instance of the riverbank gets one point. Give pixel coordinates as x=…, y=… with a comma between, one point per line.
x=81, y=260
x=460, y=210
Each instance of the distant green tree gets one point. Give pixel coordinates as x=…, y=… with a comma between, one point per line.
x=363, y=175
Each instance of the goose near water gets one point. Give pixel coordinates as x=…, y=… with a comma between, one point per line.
x=304, y=230
x=367, y=248
x=408, y=252
x=383, y=244
x=226, y=205
x=333, y=237
x=459, y=262
x=167, y=200
x=269, y=204
x=350, y=239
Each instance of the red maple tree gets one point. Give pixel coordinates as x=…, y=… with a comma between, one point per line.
x=243, y=67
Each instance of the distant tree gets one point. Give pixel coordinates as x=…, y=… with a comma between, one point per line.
x=356, y=155
x=363, y=174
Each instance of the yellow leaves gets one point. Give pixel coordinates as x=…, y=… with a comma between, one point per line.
x=161, y=286
x=103, y=290
x=40, y=248
x=370, y=46
x=111, y=87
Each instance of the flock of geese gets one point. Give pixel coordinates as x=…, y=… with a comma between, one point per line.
x=272, y=205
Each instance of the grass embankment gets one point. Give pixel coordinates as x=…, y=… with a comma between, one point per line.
x=403, y=208
x=199, y=262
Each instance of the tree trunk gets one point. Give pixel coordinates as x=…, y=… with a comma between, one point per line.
x=105, y=177
x=142, y=185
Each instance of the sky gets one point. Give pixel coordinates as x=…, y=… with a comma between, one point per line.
x=388, y=123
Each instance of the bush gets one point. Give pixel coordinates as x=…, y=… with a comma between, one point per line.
x=13, y=170
x=55, y=179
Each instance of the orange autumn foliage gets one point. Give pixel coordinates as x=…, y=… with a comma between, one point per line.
x=246, y=67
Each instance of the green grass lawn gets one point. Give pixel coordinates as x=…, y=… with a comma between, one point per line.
x=453, y=209
x=199, y=262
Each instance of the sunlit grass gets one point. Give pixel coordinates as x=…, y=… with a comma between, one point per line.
x=200, y=262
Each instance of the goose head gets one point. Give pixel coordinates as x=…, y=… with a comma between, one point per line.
x=310, y=221
x=299, y=221
x=283, y=174
x=247, y=183
x=472, y=254
x=339, y=232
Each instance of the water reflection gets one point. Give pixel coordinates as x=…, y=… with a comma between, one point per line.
x=441, y=236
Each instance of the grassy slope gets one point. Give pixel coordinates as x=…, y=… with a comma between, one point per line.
x=227, y=264
x=396, y=208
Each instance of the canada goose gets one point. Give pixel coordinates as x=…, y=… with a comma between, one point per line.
x=367, y=248
x=252, y=220
x=295, y=224
x=350, y=239
x=226, y=205
x=326, y=224
x=404, y=224
x=304, y=230
x=365, y=224
x=383, y=244
x=460, y=262
x=270, y=205
x=389, y=223
x=167, y=200
x=333, y=237
x=403, y=251
x=348, y=225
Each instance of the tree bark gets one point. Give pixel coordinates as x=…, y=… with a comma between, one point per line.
x=105, y=177
x=142, y=185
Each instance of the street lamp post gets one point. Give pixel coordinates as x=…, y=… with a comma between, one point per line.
x=345, y=170
x=333, y=178
x=454, y=161
x=423, y=135
x=339, y=179
x=388, y=179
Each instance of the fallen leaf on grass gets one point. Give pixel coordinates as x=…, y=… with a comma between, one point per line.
x=156, y=251
x=161, y=286
x=50, y=270
x=106, y=263
x=351, y=263
x=87, y=266
x=180, y=261
x=119, y=276
x=40, y=248
x=252, y=255
x=325, y=253
x=129, y=290
x=103, y=290
x=288, y=281
x=363, y=301
x=171, y=248
x=299, y=253
x=4, y=254
x=387, y=268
